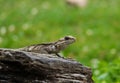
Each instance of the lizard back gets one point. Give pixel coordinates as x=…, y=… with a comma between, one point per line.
x=38, y=48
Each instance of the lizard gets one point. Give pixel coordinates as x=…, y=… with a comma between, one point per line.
x=50, y=48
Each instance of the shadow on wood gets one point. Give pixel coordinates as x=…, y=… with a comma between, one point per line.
x=26, y=67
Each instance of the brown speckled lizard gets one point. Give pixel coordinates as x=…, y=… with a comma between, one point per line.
x=50, y=48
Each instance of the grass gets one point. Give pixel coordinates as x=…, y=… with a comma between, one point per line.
x=96, y=27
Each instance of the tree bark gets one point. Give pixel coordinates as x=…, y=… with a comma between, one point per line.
x=28, y=67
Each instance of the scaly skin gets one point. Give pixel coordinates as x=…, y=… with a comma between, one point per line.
x=50, y=48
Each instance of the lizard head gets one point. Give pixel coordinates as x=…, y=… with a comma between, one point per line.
x=65, y=41
x=62, y=43
x=68, y=39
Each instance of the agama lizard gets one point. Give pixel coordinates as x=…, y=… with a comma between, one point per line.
x=50, y=48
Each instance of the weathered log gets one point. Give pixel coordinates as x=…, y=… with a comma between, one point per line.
x=27, y=67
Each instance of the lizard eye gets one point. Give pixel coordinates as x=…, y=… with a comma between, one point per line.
x=67, y=38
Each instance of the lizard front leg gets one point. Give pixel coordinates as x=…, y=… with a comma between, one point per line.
x=59, y=55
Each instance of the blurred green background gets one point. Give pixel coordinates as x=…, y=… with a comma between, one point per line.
x=96, y=27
